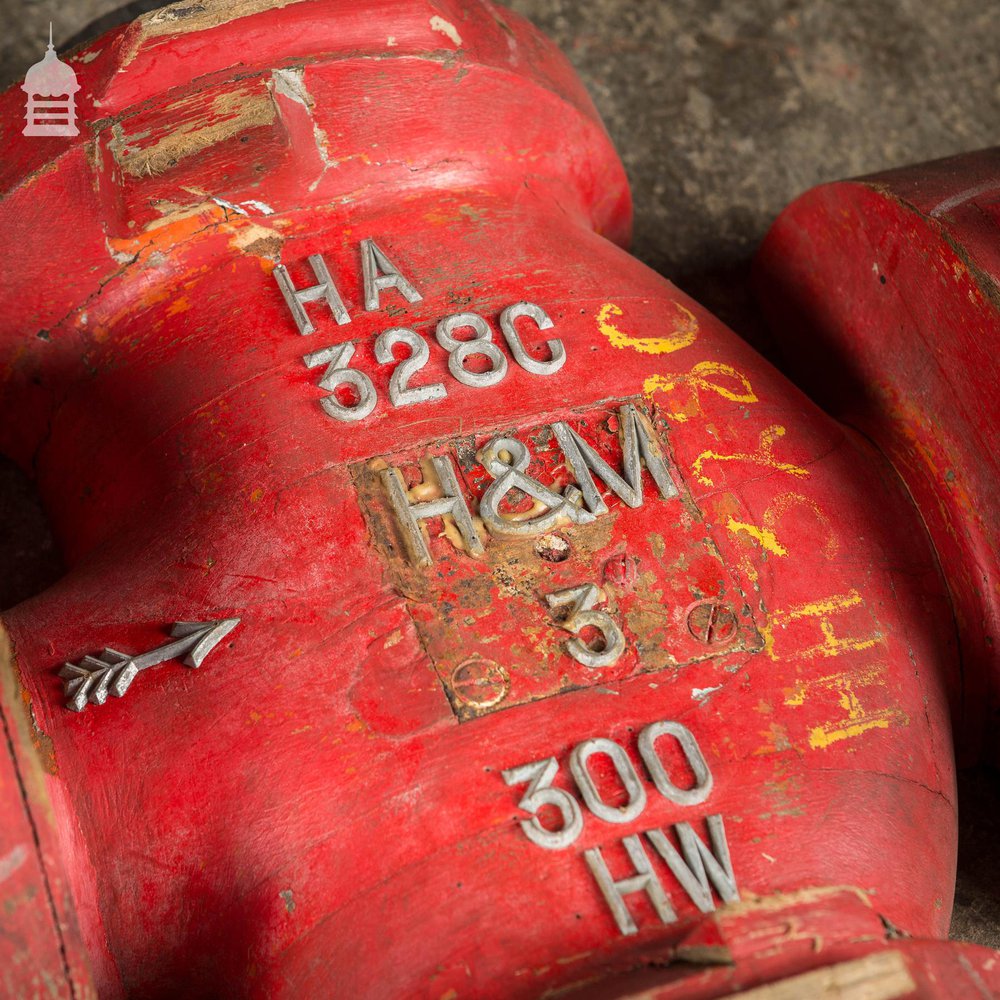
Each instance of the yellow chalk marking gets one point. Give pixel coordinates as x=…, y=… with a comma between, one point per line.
x=685, y=336
x=832, y=644
x=820, y=738
x=767, y=536
x=764, y=536
x=838, y=682
x=698, y=379
x=858, y=719
x=782, y=504
x=764, y=455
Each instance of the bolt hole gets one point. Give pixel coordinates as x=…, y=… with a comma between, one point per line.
x=552, y=548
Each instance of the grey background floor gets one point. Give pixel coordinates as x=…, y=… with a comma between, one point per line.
x=723, y=111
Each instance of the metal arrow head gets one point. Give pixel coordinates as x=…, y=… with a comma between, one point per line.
x=206, y=636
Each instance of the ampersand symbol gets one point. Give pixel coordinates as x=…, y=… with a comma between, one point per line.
x=506, y=460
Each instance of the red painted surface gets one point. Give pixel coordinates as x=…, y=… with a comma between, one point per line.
x=897, y=280
x=306, y=814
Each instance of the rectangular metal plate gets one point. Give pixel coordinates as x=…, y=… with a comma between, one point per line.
x=486, y=622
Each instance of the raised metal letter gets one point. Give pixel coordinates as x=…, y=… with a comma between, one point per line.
x=450, y=503
x=700, y=868
x=379, y=273
x=506, y=459
x=507, y=320
x=637, y=447
x=336, y=359
x=644, y=880
x=626, y=772
x=583, y=600
x=296, y=299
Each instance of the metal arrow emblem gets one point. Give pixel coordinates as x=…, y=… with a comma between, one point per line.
x=95, y=677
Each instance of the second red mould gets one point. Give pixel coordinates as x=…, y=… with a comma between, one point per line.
x=884, y=292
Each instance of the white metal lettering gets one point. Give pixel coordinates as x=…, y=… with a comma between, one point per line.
x=400, y=392
x=692, y=752
x=637, y=797
x=450, y=503
x=644, y=880
x=557, y=352
x=459, y=351
x=583, y=600
x=626, y=774
x=379, y=273
x=539, y=775
x=297, y=298
x=702, y=867
x=336, y=359
x=506, y=460
x=637, y=447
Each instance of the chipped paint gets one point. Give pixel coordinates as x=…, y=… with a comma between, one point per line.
x=229, y=206
x=701, y=694
x=290, y=83
x=259, y=206
x=879, y=976
x=185, y=17
x=195, y=124
x=446, y=28
x=12, y=860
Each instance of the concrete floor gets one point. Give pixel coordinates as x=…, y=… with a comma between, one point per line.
x=723, y=111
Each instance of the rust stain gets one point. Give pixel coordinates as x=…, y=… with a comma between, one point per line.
x=18, y=714
x=41, y=741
